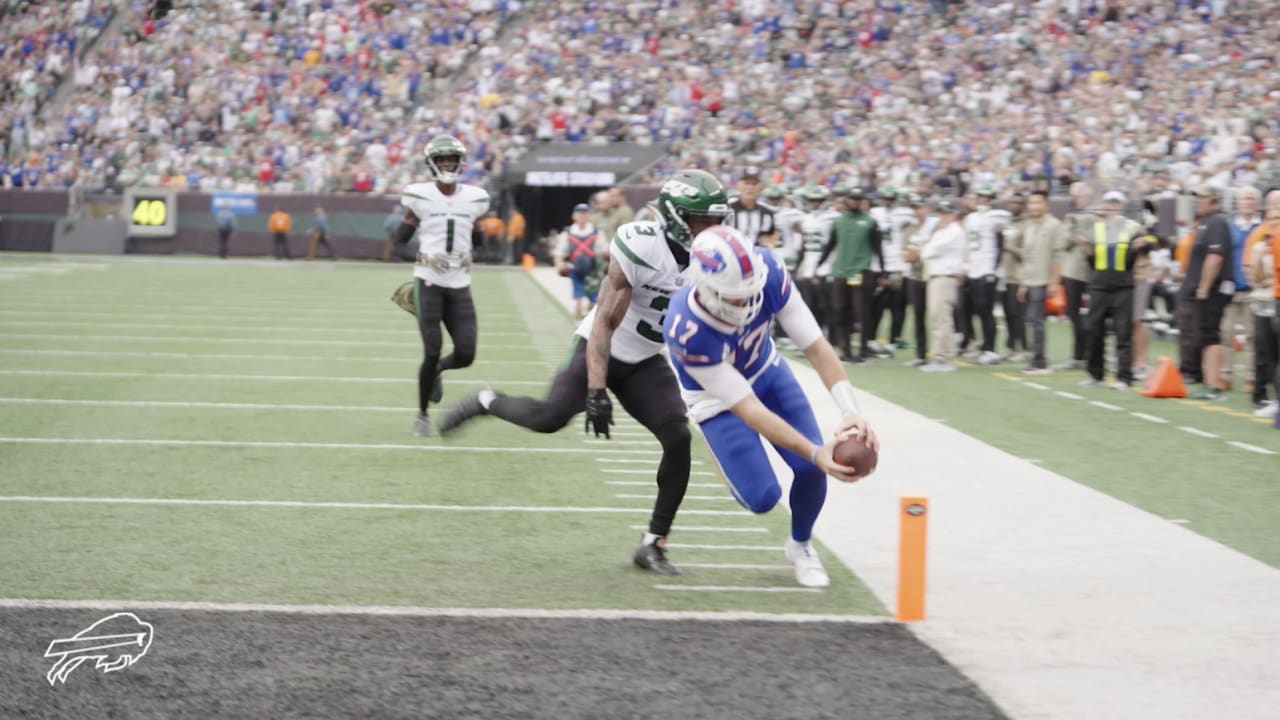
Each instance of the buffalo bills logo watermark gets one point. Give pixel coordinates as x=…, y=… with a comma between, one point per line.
x=115, y=642
x=711, y=263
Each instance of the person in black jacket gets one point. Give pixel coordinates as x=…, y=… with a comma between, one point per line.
x=1207, y=287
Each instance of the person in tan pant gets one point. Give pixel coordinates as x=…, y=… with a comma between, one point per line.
x=943, y=255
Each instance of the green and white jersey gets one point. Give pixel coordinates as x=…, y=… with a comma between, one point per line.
x=815, y=230
x=444, y=231
x=640, y=249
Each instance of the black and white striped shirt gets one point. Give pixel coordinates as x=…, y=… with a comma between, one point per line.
x=754, y=222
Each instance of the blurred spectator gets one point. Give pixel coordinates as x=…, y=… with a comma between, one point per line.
x=1206, y=291
x=226, y=222
x=390, y=225
x=1113, y=252
x=1237, y=319
x=943, y=255
x=279, y=224
x=492, y=236
x=1035, y=269
x=580, y=255
x=1262, y=251
x=320, y=235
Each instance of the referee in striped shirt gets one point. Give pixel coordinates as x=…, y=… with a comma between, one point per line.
x=750, y=216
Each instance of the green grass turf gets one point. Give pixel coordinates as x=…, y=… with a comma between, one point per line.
x=150, y=323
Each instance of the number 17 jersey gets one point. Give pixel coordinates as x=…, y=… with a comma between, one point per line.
x=640, y=249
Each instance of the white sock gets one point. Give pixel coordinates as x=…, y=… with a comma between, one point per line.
x=486, y=397
x=650, y=539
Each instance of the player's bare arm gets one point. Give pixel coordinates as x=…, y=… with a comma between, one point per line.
x=615, y=298
x=825, y=361
x=780, y=433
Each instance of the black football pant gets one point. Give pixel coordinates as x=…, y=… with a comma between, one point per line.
x=1015, y=319
x=280, y=246
x=980, y=299
x=916, y=295
x=816, y=296
x=852, y=305
x=1118, y=305
x=647, y=390
x=892, y=298
x=1074, y=290
x=454, y=308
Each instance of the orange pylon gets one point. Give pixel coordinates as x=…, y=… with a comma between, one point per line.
x=1165, y=381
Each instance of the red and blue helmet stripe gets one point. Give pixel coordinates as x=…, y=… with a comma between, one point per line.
x=742, y=252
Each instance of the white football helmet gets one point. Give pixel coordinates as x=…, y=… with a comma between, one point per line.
x=728, y=277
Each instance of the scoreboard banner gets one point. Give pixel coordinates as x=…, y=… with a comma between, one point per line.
x=151, y=212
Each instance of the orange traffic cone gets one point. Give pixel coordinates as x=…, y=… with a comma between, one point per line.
x=528, y=261
x=1165, y=381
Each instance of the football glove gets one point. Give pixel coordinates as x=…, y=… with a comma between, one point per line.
x=599, y=412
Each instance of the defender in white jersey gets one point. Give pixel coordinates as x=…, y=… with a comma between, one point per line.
x=814, y=278
x=984, y=237
x=619, y=345
x=441, y=214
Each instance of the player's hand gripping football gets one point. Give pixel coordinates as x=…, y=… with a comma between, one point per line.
x=599, y=412
x=851, y=454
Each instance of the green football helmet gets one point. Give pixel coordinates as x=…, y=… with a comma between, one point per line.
x=689, y=194
x=443, y=146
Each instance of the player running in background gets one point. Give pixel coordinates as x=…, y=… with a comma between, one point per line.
x=441, y=213
x=739, y=389
x=618, y=346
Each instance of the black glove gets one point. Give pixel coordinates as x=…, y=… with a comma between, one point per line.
x=599, y=412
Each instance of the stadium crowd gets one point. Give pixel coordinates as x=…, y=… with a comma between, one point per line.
x=325, y=95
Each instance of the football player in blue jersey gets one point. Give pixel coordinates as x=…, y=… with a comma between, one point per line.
x=739, y=389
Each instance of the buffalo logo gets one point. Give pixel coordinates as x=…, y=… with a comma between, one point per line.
x=712, y=263
x=116, y=642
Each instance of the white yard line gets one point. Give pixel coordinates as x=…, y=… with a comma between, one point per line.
x=51, y=499
x=683, y=546
x=703, y=528
x=204, y=405
x=270, y=378
x=650, y=483
x=1067, y=395
x=736, y=566
x=1150, y=418
x=235, y=328
x=412, y=611
x=736, y=588
x=313, y=445
x=652, y=442
x=1105, y=406
x=1250, y=448
x=1194, y=431
x=243, y=356
x=187, y=339
x=1037, y=386
x=56, y=317
x=649, y=462
x=718, y=498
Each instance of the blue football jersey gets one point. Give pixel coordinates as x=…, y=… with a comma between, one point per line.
x=695, y=338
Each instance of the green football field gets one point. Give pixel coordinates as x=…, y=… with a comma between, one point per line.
x=247, y=430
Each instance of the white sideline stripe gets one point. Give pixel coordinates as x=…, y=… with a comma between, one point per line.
x=592, y=441
x=703, y=528
x=1149, y=418
x=237, y=328
x=329, y=321
x=679, y=546
x=1194, y=431
x=338, y=505
x=736, y=588
x=1037, y=386
x=1250, y=448
x=650, y=483
x=1179, y=521
x=321, y=446
x=232, y=406
x=735, y=566
x=414, y=611
x=1105, y=406
x=246, y=341
x=1067, y=395
x=272, y=378
x=655, y=469
x=686, y=497
x=240, y=356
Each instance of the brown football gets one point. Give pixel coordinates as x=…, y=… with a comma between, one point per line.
x=853, y=452
x=565, y=270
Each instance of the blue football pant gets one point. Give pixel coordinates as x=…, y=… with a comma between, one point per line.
x=738, y=451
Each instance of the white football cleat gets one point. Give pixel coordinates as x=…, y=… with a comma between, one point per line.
x=809, y=570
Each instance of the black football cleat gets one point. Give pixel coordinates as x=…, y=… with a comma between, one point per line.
x=466, y=409
x=654, y=559
x=437, y=390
